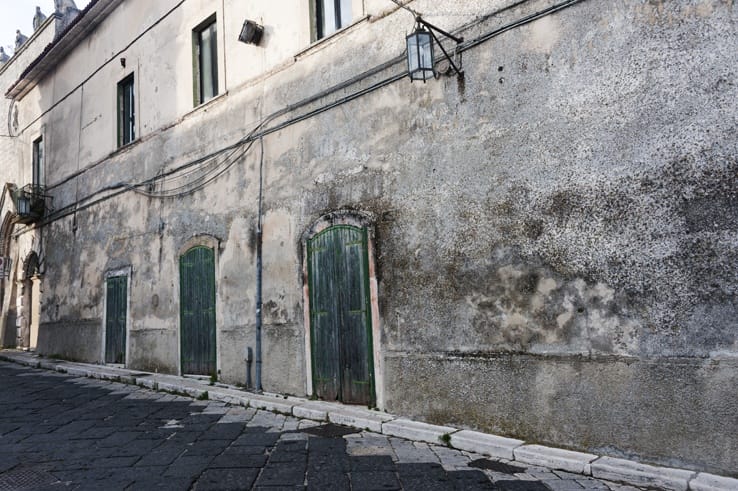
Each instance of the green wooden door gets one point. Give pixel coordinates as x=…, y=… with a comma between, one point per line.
x=197, y=310
x=115, y=319
x=340, y=315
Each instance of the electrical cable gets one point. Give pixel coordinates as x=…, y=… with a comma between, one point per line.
x=183, y=190
x=189, y=188
x=121, y=188
x=113, y=57
x=403, y=6
x=518, y=23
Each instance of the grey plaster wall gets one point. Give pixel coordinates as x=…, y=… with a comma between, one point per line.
x=77, y=340
x=664, y=412
x=556, y=235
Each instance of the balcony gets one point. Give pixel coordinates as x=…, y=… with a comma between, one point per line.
x=31, y=203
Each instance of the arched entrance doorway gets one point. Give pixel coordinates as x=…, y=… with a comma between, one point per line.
x=31, y=303
x=8, y=286
x=197, y=311
x=340, y=310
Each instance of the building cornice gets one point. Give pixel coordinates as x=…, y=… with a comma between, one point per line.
x=66, y=41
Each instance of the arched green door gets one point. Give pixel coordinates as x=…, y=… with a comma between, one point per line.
x=197, y=310
x=340, y=315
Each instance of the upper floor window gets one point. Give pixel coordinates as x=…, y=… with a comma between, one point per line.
x=330, y=16
x=126, y=111
x=205, y=55
x=38, y=162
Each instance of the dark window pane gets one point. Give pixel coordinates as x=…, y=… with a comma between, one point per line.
x=38, y=162
x=206, y=50
x=331, y=15
x=126, y=112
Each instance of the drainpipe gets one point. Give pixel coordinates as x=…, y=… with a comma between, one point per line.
x=249, y=361
x=258, y=308
x=259, y=270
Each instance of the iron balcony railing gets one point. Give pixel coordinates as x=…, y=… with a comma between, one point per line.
x=32, y=203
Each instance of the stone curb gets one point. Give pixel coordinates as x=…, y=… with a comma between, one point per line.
x=483, y=443
x=642, y=475
x=555, y=458
x=317, y=411
x=608, y=468
x=359, y=418
x=229, y=396
x=711, y=482
x=414, y=430
x=269, y=404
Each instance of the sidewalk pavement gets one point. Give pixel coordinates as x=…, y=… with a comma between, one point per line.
x=600, y=467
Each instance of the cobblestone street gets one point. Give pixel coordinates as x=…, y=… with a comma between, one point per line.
x=63, y=432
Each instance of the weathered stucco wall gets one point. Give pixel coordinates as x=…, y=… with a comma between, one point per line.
x=556, y=234
x=16, y=143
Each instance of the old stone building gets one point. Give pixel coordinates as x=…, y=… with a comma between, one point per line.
x=544, y=246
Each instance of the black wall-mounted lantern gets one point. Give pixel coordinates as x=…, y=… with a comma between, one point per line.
x=251, y=33
x=23, y=205
x=420, y=56
x=31, y=203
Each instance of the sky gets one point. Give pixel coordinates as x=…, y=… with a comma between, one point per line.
x=18, y=14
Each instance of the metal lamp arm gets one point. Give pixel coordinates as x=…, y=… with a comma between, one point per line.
x=431, y=29
x=430, y=26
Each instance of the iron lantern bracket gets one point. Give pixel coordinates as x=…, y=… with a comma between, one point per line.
x=433, y=29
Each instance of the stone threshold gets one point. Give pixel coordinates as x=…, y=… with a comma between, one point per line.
x=597, y=466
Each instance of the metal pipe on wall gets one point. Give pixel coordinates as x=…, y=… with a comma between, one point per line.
x=258, y=387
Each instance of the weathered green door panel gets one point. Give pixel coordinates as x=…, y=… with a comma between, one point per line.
x=340, y=316
x=115, y=319
x=322, y=318
x=197, y=310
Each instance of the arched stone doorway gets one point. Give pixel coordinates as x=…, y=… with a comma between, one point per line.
x=31, y=303
x=8, y=287
x=341, y=311
x=197, y=304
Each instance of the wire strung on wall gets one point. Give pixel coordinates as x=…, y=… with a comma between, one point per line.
x=403, y=6
x=211, y=169
x=215, y=168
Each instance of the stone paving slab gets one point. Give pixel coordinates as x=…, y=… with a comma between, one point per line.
x=308, y=413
